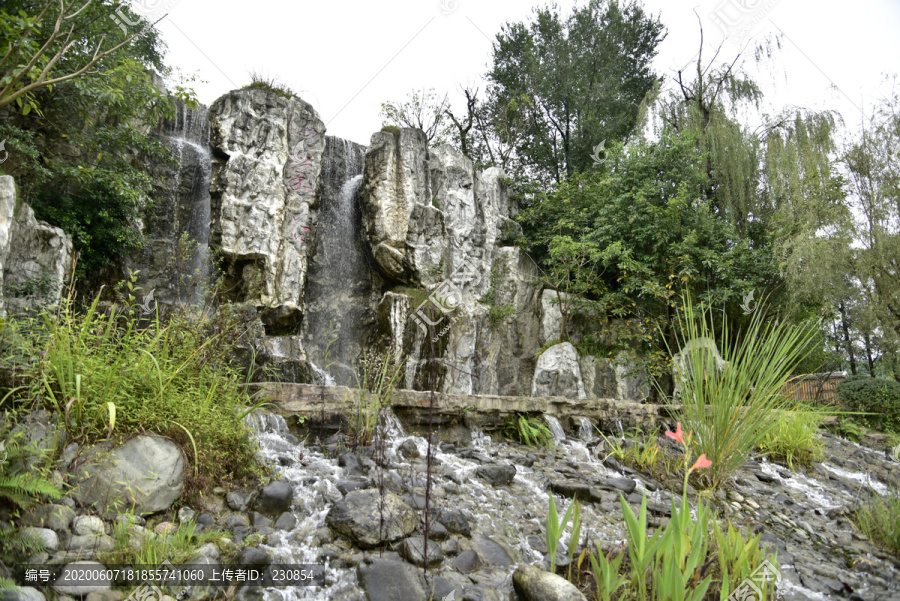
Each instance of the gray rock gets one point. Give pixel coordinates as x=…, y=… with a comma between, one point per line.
x=286, y=521
x=251, y=556
x=45, y=537
x=260, y=521
x=390, y=580
x=67, y=584
x=209, y=550
x=145, y=474
x=413, y=550
x=558, y=373
x=23, y=593
x=29, y=247
x=358, y=517
x=408, y=449
x=239, y=501
x=87, y=524
x=55, y=517
x=275, y=498
x=261, y=199
x=491, y=552
x=456, y=522
x=533, y=584
x=626, y=485
x=91, y=542
x=497, y=475
x=105, y=596
x=467, y=562
x=186, y=514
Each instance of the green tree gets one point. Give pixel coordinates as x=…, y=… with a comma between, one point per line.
x=423, y=110
x=81, y=155
x=575, y=81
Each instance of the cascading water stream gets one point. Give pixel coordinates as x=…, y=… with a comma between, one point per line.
x=339, y=275
x=188, y=136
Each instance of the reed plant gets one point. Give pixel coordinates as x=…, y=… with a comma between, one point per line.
x=731, y=408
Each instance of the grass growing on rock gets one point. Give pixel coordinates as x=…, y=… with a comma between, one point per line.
x=879, y=520
x=111, y=373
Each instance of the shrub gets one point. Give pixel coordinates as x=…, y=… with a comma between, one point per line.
x=878, y=397
x=269, y=84
x=731, y=409
x=391, y=129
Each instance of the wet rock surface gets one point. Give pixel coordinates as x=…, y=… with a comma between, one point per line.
x=491, y=530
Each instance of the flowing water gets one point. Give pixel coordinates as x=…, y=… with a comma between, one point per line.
x=339, y=274
x=504, y=514
x=188, y=198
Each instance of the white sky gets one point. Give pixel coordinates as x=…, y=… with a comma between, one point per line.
x=346, y=57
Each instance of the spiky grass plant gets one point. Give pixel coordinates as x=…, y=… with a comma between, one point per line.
x=731, y=409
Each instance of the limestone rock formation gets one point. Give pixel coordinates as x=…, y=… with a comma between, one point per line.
x=558, y=373
x=35, y=257
x=267, y=158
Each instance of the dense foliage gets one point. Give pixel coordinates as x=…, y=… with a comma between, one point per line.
x=80, y=148
x=879, y=398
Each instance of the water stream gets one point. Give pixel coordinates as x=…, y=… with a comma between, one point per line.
x=339, y=274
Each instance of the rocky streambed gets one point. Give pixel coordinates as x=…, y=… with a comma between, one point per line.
x=486, y=509
x=488, y=504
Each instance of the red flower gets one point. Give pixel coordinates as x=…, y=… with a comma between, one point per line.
x=702, y=462
x=678, y=434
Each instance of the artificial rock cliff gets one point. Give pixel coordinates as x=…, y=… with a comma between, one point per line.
x=347, y=250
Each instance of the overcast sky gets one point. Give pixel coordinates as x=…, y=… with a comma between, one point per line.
x=346, y=57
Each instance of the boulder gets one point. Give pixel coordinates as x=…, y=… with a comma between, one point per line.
x=68, y=584
x=413, y=550
x=361, y=517
x=144, y=474
x=267, y=160
x=34, y=255
x=558, y=373
x=533, y=584
x=275, y=498
x=391, y=580
x=497, y=475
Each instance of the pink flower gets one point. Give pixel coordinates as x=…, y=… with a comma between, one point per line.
x=702, y=462
x=678, y=434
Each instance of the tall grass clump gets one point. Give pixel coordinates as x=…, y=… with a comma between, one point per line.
x=113, y=371
x=794, y=438
x=879, y=520
x=731, y=409
x=377, y=379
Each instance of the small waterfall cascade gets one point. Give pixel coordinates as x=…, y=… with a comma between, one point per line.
x=556, y=429
x=496, y=514
x=338, y=281
x=187, y=199
x=585, y=430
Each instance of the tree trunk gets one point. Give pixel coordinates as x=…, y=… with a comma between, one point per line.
x=847, y=344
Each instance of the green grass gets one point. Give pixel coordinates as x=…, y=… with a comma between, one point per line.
x=111, y=374
x=269, y=84
x=879, y=520
x=794, y=438
x=731, y=410
x=176, y=548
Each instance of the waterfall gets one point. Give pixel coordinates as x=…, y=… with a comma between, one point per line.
x=338, y=283
x=556, y=428
x=184, y=206
x=585, y=429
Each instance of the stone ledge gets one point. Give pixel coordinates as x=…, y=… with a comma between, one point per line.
x=330, y=403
